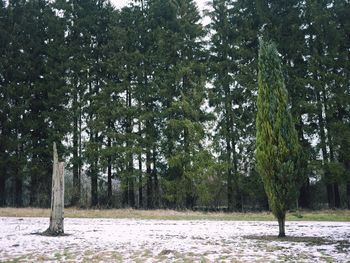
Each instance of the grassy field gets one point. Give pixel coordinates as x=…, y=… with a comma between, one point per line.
x=322, y=215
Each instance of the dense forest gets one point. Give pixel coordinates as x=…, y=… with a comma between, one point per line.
x=157, y=110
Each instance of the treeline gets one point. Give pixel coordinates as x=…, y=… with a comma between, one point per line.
x=148, y=97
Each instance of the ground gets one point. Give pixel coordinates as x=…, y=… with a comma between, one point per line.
x=151, y=240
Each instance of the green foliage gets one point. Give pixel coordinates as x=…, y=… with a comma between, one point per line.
x=148, y=96
x=278, y=150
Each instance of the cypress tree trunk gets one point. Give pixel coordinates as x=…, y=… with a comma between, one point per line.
x=281, y=226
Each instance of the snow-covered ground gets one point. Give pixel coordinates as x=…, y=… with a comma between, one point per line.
x=131, y=240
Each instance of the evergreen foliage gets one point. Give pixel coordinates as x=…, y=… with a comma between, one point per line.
x=152, y=109
x=277, y=145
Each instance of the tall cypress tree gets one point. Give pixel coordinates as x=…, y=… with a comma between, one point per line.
x=276, y=138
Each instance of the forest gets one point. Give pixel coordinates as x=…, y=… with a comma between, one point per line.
x=152, y=107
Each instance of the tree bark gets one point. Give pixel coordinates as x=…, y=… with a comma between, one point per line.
x=230, y=196
x=18, y=191
x=335, y=190
x=57, y=197
x=336, y=195
x=140, y=182
x=109, y=175
x=94, y=186
x=2, y=188
x=155, y=178
x=76, y=193
x=329, y=186
x=281, y=227
x=304, y=190
x=149, y=180
x=33, y=189
x=348, y=194
x=304, y=194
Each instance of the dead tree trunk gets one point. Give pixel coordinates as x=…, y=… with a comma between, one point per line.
x=57, y=197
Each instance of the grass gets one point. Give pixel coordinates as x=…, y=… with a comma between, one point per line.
x=322, y=215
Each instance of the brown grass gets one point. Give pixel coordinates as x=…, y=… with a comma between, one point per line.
x=324, y=215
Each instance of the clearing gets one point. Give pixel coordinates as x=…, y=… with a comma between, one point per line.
x=154, y=240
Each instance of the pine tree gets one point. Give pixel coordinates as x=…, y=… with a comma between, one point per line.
x=4, y=106
x=181, y=82
x=230, y=91
x=277, y=142
x=324, y=65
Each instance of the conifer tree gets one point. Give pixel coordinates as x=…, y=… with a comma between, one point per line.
x=4, y=106
x=278, y=148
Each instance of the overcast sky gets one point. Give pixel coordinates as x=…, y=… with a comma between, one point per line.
x=121, y=3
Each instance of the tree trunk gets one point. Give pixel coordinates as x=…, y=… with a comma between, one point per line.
x=76, y=194
x=304, y=194
x=125, y=191
x=80, y=148
x=336, y=195
x=131, y=189
x=305, y=187
x=329, y=187
x=109, y=175
x=57, y=197
x=140, y=182
x=229, y=151
x=281, y=226
x=18, y=191
x=149, y=181
x=335, y=190
x=94, y=186
x=33, y=190
x=2, y=188
x=348, y=194
x=238, y=193
x=155, y=178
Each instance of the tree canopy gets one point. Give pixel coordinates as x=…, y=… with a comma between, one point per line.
x=153, y=109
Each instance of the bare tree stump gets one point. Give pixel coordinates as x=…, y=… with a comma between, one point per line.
x=57, y=197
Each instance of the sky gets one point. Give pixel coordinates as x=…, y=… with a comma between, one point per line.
x=121, y=3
